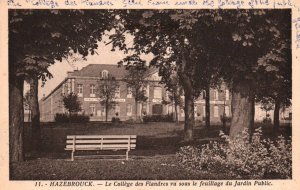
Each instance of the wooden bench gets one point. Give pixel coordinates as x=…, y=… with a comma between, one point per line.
x=100, y=142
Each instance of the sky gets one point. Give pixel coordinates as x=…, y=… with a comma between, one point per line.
x=105, y=56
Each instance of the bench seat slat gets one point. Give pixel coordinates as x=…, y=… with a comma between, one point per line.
x=101, y=136
x=99, y=146
x=88, y=141
x=107, y=148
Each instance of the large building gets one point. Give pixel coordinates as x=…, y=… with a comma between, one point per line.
x=84, y=83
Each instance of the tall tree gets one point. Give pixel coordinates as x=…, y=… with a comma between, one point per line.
x=136, y=80
x=107, y=88
x=35, y=43
x=72, y=104
x=175, y=93
x=35, y=114
x=158, y=32
x=233, y=40
x=241, y=41
x=276, y=85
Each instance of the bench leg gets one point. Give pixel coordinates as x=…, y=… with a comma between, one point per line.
x=72, y=156
x=127, y=151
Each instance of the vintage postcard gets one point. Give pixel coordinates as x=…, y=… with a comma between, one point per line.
x=149, y=94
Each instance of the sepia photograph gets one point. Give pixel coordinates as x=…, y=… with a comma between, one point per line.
x=150, y=94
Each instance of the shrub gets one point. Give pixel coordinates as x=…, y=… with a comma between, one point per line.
x=61, y=118
x=267, y=120
x=75, y=118
x=226, y=118
x=158, y=118
x=115, y=120
x=262, y=158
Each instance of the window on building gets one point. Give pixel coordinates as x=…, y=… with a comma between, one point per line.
x=182, y=112
x=129, y=109
x=195, y=111
x=104, y=74
x=204, y=113
x=144, y=89
x=117, y=93
x=216, y=111
x=167, y=98
x=129, y=92
x=80, y=90
x=227, y=110
x=144, y=108
x=215, y=92
x=170, y=109
x=103, y=111
x=92, y=109
x=226, y=94
x=92, y=90
x=69, y=87
x=157, y=93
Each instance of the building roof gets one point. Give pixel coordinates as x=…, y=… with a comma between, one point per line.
x=94, y=70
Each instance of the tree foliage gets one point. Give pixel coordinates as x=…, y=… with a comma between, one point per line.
x=136, y=79
x=175, y=93
x=107, y=88
x=204, y=46
x=36, y=42
x=38, y=38
x=71, y=103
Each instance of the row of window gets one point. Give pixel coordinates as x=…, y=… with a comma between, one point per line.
x=216, y=112
x=157, y=91
x=216, y=95
x=102, y=110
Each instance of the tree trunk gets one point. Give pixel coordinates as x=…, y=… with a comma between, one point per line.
x=106, y=111
x=224, y=116
x=207, y=106
x=136, y=110
x=35, y=114
x=242, y=108
x=276, y=121
x=16, y=117
x=251, y=129
x=188, y=117
x=70, y=115
x=176, y=112
x=186, y=82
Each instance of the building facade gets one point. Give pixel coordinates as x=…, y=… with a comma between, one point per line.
x=84, y=83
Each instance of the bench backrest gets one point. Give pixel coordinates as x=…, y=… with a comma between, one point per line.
x=101, y=142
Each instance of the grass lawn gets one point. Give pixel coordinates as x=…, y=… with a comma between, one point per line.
x=154, y=157
x=152, y=168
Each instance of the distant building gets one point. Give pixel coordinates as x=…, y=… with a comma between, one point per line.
x=285, y=114
x=84, y=84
